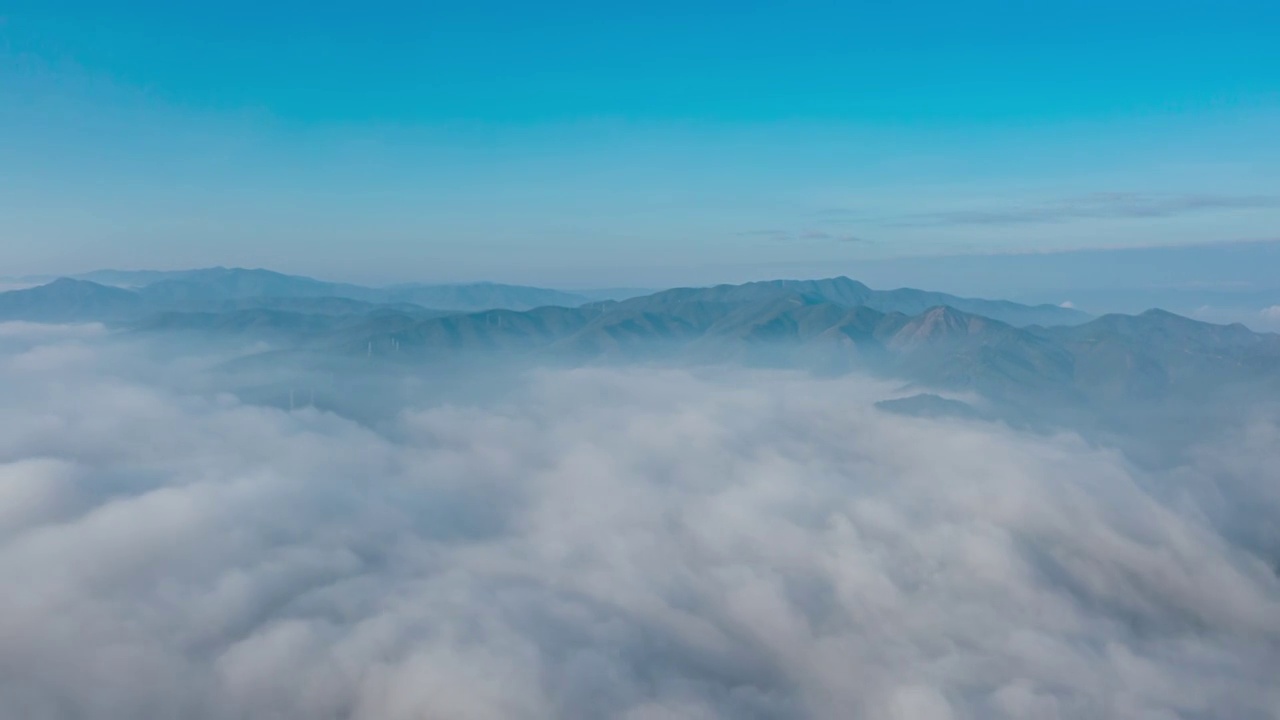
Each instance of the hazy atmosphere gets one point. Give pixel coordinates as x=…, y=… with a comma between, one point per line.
x=475, y=361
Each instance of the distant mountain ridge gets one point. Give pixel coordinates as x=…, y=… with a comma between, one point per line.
x=214, y=289
x=1110, y=357
x=132, y=295
x=456, y=296
x=216, y=284
x=66, y=300
x=999, y=349
x=851, y=293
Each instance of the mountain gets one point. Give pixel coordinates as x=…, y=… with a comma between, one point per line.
x=929, y=405
x=479, y=296
x=956, y=349
x=839, y=291
x=134, y=278
x=223, y=289
x=227, y=290
x=199, y=289
x=835, y=324
x=942, y=346
x=66, y=300
x=254, y=322
x=194, y=287
x=845, y=292
x=1159, y=379
x=1111, y=358
x=617, y=294
x=472, y=333
x=1151, y=353
x=321, y=306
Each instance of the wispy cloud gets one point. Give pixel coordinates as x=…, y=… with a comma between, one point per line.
x=793, y=236
x=1104, y=205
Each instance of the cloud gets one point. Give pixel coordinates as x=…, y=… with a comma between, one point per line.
x=786, y=236
x=632, y=543
x=1108, y=205
x=834, y=237
x=1067, y=304
x=1271, y=313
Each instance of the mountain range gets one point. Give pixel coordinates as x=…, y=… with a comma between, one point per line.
x=1002, y=350
x=214, y=289
x=115, y=295
x=1132, y=357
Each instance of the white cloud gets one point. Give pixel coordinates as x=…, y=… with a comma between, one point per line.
x=606, y=543
x=1271, y=313
x=1067, y=304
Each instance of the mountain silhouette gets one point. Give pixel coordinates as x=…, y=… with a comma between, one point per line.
x=999, y=349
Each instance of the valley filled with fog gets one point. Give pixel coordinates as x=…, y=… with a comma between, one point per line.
x=759, y=501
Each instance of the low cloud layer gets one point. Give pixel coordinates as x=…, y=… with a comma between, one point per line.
x=804, y=236
x=634, y=543
x=1103, y=205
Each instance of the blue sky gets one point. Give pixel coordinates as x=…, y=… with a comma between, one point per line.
x=643, y=144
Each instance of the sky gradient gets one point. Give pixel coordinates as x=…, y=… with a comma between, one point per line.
x=582, y=144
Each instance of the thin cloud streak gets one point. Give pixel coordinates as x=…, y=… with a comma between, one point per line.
x=1107, y=205
x=804, y=236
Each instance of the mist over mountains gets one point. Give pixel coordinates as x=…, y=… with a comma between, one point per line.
x=1016, y=354
x=271, y=496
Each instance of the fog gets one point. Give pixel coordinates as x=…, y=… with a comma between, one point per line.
x=636, y=542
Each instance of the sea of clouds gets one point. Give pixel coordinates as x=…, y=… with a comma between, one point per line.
x=635, y=543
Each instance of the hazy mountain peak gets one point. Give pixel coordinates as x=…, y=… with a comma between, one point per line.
x=846, y=292
x=68, y=300
x=939, y=324
x=65, y=286
x=68, y=282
